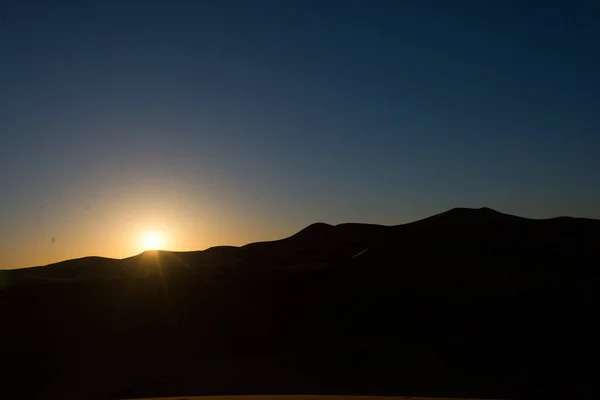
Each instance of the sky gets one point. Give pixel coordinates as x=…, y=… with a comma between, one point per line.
x=227, y=122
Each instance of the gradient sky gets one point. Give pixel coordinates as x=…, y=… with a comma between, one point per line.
x=227, y=122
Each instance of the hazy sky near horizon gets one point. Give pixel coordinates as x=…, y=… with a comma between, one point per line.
x=227, y=122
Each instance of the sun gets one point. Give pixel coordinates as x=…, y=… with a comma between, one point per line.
x=152, y=241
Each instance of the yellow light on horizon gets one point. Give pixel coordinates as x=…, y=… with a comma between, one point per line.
x=152, y=241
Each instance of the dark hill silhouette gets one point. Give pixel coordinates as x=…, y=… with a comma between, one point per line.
x=473, y=215
x=318, y=229
x=470, y=302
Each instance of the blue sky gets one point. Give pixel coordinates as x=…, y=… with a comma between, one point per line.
x=226, y=122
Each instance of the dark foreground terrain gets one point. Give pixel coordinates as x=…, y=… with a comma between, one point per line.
x=468, y=303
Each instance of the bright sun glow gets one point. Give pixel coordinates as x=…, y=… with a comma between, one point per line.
x=152, y=241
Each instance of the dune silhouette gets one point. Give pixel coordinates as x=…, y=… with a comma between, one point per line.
x=466, y=303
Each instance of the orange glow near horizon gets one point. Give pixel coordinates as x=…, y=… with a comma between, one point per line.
x=125, y=220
